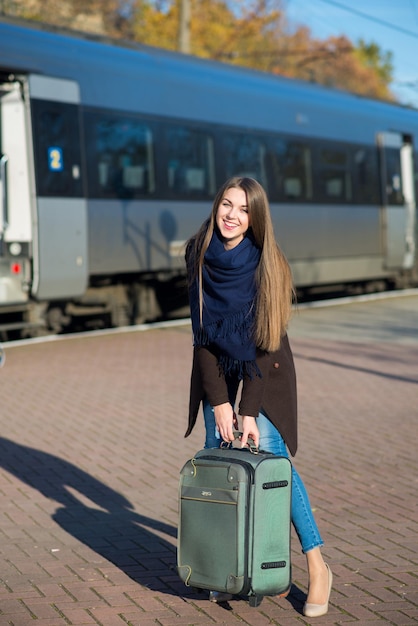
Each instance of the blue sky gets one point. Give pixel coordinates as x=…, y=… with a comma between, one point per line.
x=392, y=24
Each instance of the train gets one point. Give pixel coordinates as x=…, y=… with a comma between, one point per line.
x=111, y=154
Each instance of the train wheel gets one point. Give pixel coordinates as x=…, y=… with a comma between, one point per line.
x=56, y=319
x=145, y=305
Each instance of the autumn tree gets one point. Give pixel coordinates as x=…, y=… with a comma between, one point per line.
x=336, y=62
x=216, y=31
x=371, y=55
x=256, y=34
x=250, y=33
x=104, y=17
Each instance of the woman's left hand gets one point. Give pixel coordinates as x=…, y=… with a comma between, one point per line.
x=249, y=429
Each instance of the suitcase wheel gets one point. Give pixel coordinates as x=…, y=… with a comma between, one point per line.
x=255, y=600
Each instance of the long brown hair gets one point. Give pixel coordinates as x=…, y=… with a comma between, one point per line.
x=275, y=291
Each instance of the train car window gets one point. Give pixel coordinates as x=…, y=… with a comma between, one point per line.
x=334, y=180
x=120, y=156
x=244, y=155
x=190, y=170
x=366, y=176
x=392, y=176
x=291, y=171
x=416, y=185
x=56, y=138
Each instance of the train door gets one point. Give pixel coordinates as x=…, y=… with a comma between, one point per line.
x=60, y=268
x=43, y=220
x=15, y=198
x=397, y=173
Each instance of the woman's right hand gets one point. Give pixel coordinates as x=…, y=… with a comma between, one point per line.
x=226, y=421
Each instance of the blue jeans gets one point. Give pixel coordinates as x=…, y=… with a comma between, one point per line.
x=272, y=441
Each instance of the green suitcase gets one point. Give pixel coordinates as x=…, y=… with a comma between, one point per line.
x=234, y=523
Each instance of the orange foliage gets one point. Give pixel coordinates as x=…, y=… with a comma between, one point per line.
x=255, y=35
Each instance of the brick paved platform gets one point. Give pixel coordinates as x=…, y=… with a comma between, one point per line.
x=92, y=443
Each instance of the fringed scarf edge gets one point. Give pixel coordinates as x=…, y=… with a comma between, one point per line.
x=242, y=321
x=233, y=367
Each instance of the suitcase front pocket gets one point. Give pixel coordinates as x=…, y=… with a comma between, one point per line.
x=212, y=533
x=221, y=496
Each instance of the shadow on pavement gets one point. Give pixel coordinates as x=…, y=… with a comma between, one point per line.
x=106, y=521
x=357, y=368
x=111, y=528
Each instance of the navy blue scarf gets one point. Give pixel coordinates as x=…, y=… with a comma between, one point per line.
x=229, y=291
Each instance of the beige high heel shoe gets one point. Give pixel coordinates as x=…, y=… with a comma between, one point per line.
x=316, y=610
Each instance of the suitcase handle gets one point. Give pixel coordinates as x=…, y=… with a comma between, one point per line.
x=237, y=434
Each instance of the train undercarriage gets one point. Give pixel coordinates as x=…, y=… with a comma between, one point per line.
x=104, y=305
x=116, y=304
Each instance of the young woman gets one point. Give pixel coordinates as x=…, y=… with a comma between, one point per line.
x=241, y=296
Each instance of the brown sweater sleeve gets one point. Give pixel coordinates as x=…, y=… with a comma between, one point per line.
x=253, y=388
x=214, y=383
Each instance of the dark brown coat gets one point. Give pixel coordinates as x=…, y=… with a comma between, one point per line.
x=274, y=391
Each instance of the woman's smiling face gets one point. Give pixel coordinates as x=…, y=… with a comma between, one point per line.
x=232, y=217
